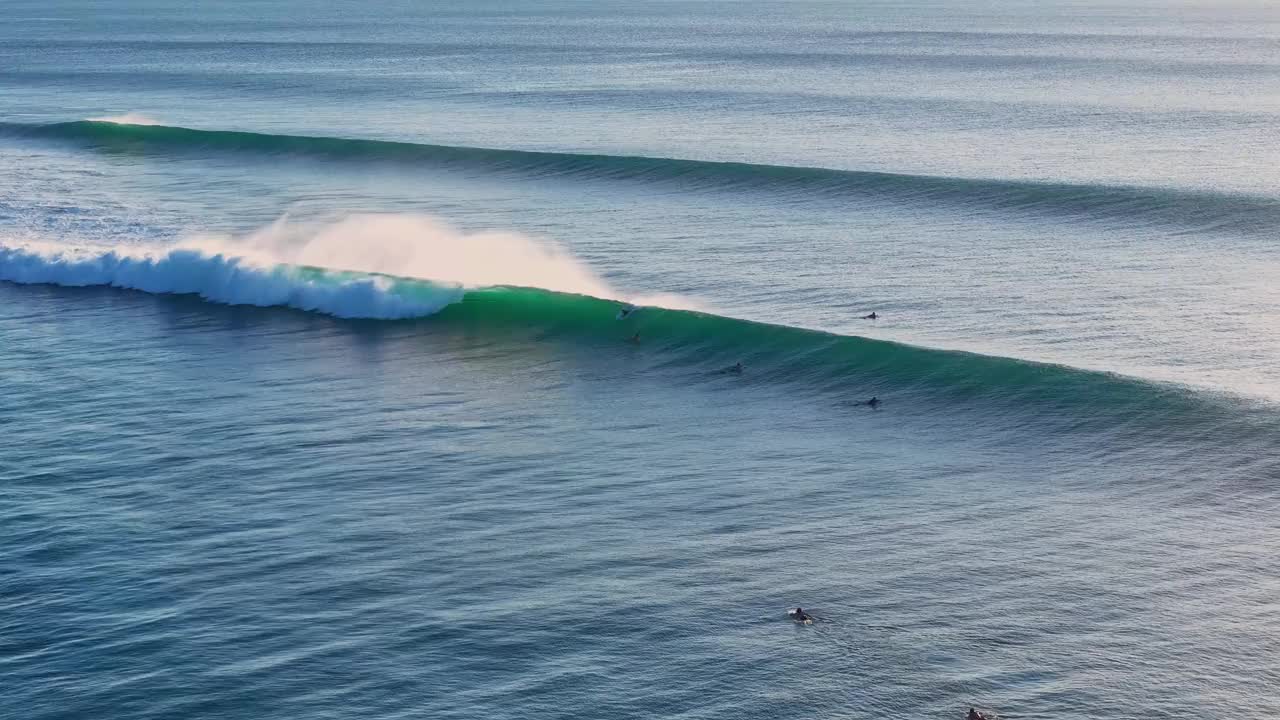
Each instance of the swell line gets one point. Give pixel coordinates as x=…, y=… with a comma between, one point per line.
x=841, y=369
x=1184, y=210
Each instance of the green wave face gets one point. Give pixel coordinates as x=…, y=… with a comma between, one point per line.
x=846, y=369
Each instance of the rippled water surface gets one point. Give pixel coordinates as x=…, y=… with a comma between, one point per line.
x=322, y=397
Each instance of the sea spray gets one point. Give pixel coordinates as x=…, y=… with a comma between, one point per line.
x=362, y=266
x=129, y=118
x=412, y=246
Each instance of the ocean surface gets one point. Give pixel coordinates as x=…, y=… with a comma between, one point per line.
x=322, y=395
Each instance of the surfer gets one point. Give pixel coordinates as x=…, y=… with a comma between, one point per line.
x=634, y=339
x=734, y=369
x=975, y=715
x=872, y=316
x=873, y=402
x=626, y=311
x=800, y=616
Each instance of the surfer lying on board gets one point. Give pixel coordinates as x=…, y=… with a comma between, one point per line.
x=800, y=616
x=872, y=316
x=873, y=402
x=734, y=369
x=975, y=715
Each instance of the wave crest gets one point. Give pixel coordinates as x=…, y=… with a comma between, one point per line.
x=129, y=118
x=228, y=280
x=413, y=246
x=362, y=266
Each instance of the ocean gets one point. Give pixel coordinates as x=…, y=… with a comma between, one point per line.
x=512, y=359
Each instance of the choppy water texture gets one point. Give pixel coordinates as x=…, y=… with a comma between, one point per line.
x=370, y=360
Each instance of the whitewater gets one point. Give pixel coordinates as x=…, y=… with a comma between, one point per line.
x=519, y=361
x=340, y=270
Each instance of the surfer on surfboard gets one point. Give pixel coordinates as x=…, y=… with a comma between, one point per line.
x=800, y=616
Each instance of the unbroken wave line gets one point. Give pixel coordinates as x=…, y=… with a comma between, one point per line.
x=1132, y=206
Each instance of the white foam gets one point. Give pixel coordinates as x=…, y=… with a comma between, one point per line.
x=223, y=279
x=130, y=118
x=415, y=246
x=268, y=267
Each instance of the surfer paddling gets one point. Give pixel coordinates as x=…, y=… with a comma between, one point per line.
x=872, y=316
x=800, y=616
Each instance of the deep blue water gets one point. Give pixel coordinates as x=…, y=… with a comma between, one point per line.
x=317, y=401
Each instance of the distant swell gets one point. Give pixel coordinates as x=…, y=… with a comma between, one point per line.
x=1130, y=206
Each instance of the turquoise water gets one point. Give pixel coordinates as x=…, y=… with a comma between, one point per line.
x=321, y=401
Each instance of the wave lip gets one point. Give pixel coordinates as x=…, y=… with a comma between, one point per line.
x=1130, y=205
x=229, y=280
x=130, y=118
x=376, y=266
